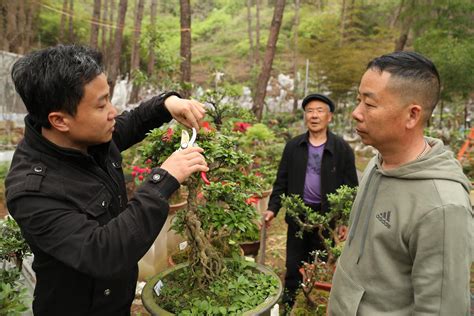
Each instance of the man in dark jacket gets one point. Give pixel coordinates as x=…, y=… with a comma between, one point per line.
x=66, y=187
x=313, y=164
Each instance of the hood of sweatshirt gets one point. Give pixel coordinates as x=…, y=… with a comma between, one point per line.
x=438, y=163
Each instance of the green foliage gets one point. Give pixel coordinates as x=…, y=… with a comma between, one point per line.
x=238, y=290
x=310, y=221
x=12, y=243
x=13, y=295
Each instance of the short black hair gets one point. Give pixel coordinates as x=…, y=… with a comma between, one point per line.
x=53, y=79
x=419, y=76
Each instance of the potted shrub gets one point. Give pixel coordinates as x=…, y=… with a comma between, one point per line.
x=318, y=273
x=217, y=217
x=13, y=248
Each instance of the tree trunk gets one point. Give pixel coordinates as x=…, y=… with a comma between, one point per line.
x=185, y=51
x=105, y=24
x=249, y=24
x=21, y=27
x=135, y=60
x=151, y=48
x=396, y=15
x=295, y=55
x=62, y=23
x=405, y=27
x=31, y=16
x=11, y=34
x=117, y=48
x=406, y=23
x=343, y=22
x=111, y=34
x=3, y=38
x=268, y=59
x=94, y=41
x=257, y=33
x=71, y=25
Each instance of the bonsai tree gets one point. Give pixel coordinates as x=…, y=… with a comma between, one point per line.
x=328, y=224
x=13, y=248
x=323, y=224
x=218, y=216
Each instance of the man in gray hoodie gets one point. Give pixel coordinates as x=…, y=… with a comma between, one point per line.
x=410, y=239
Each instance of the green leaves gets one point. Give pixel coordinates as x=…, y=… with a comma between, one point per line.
x=240, y=288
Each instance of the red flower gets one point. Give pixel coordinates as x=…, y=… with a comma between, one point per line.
x=252, y=200
x=168, y=136
x=140, y=177
x=148, y=161
x=134, y=174
x=241, y=126
x=206, y=126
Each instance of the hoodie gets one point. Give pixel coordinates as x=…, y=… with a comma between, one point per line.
x=410, y=241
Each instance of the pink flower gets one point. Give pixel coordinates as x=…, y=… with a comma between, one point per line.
x=148, y=161
x=140, y=177
x=134, y=174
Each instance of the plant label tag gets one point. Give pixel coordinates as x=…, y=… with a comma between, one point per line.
x=158, y=287
x=183, y=245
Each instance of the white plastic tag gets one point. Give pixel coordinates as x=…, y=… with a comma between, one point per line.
x=158, y=287
x=183, y=245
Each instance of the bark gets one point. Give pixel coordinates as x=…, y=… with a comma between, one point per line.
x=185, y=52
x=135, y=58
x=111, y=33
x=11, y=34
x=94, y=41
x=62, y=23
x=71, y=25
x=257, y=33
x=21, y=28
x=249, y=24
x=396, y=16
x=405, y=28
x=117, y=48
x=3, y=38
x=343, y=22
x=295, y=55
x=268, y=59
x=151, y=48
x=105, y=24
x=31, y=17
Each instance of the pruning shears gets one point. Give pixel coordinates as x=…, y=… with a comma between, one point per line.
x=189, y=142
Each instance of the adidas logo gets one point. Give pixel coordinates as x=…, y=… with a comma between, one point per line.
x=384, y=218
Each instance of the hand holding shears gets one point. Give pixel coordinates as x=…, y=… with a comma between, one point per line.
x=187, y=142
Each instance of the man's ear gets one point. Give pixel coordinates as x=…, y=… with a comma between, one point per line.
x=415, y=113
x=59, y=121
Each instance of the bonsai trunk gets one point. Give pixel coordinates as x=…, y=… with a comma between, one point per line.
x=204, y=260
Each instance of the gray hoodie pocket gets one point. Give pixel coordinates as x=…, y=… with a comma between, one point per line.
x=345, y=294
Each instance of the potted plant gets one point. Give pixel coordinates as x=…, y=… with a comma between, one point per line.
x=318, y=273
x=13, y=248
x=217, y=217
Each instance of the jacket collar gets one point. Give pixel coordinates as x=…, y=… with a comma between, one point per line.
x=38, y=142
x=330, y=142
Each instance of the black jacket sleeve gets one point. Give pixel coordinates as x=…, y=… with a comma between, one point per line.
x=280, y=186
x=132, y=126
x=72, y=236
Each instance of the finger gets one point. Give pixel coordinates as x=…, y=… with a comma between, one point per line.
x=197, y=161
x=199, y=107
x=190, y=120
x=191, y=150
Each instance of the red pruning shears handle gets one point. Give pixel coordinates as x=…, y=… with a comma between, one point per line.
x=204, y=178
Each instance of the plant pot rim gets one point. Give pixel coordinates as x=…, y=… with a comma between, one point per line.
x=154, y=309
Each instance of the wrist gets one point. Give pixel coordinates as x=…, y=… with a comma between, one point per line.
x=170, y=100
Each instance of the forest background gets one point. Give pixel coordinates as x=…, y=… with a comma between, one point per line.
x=183, y=44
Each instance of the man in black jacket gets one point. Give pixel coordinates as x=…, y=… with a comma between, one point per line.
x=66, y=187
x=313, y=164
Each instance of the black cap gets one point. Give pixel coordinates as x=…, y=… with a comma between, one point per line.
x=318, y=97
